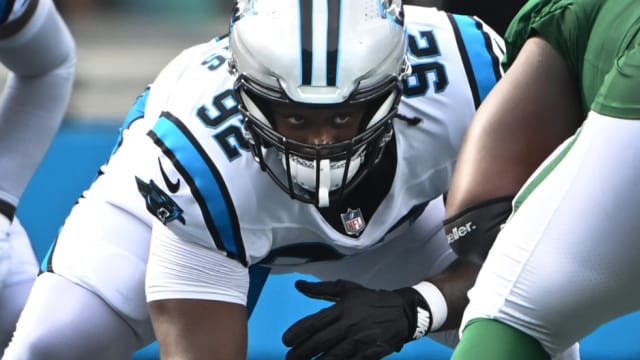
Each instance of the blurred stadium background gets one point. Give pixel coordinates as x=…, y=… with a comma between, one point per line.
x=121, y=47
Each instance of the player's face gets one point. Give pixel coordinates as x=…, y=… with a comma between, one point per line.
x=318, y=125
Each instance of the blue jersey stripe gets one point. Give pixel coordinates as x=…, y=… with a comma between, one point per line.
x=480, y=55
x=136, y=112
x=205, y=182
x=46, y=265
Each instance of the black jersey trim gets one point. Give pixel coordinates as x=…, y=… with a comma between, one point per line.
x=466, y=62
x=11, y=28
x=306, y=40
x=7, y=209
x=333, y=38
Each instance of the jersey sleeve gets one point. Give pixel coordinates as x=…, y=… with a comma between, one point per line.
x=562, y=23
x=187, y=183
x=149, y=104
x=618, y=96
x=451, y=56
x=482, y=50
x=179, y=269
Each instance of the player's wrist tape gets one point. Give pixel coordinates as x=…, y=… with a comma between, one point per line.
x=433, y=318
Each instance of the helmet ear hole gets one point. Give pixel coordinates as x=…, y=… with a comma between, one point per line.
x=260, y=107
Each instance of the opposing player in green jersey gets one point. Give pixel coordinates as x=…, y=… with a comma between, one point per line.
x=565, y=261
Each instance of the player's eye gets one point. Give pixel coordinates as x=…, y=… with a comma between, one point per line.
x=295, y=120
x=342, y=119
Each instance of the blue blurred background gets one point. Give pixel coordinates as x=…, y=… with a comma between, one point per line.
x=121, y=46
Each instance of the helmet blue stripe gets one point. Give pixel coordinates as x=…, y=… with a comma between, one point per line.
x=333, y=38
x=306, y=40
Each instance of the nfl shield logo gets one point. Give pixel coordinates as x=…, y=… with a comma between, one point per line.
x=353, y=222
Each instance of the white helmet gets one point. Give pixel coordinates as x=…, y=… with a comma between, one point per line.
x=318, y=52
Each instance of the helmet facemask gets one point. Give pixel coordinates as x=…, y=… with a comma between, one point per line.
x=318, y=174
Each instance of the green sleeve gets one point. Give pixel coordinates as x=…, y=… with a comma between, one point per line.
x=565, y=24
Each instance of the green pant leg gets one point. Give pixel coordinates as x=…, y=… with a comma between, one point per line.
x=487, y=339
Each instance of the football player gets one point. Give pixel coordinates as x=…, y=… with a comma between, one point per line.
x=561, y=130
x=317, y=137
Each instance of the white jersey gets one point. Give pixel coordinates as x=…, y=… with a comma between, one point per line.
x=224, y=201
x=207, y=189
x=183, y=158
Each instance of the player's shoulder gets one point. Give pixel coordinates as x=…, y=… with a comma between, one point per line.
x=425, y=17
x=432, y=32
x=207, y=56
x=195, y=72
x=416, y=16
x=455, y=61
x=194, y=96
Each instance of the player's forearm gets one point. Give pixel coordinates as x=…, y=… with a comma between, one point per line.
x=453, y=284
x=41, y=59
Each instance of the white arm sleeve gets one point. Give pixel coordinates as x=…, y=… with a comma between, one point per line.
x=39, y=51
x=180, y=269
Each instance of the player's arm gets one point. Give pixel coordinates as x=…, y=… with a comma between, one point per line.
x=183, y=279
x=38, y=50
x=531, y=110
x=199, y=329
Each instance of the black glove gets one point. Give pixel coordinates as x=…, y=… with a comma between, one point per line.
x=362, y=324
